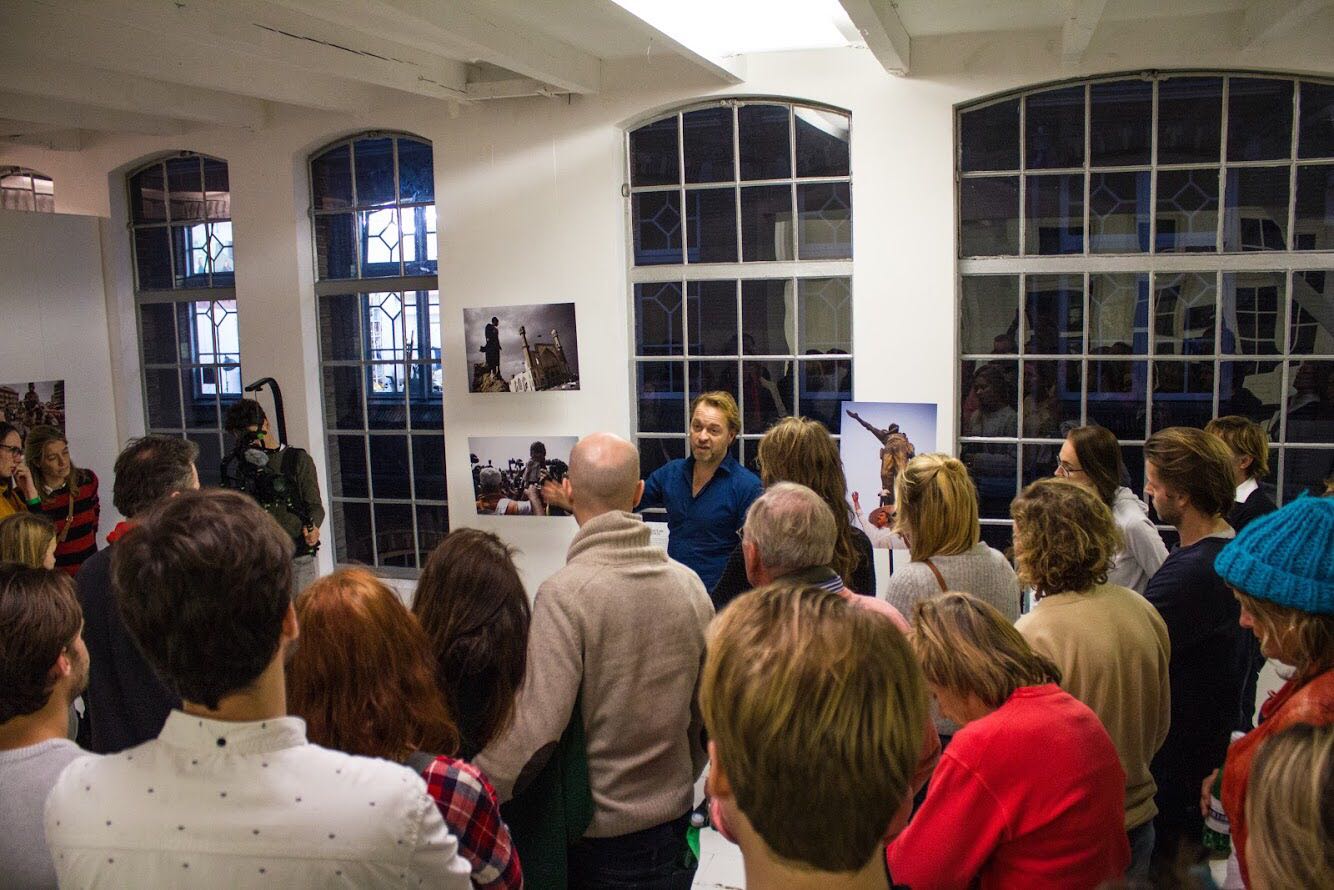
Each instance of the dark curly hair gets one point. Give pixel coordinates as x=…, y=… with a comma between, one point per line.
x=475, y=612
x=1064, y=537
x=203, y=582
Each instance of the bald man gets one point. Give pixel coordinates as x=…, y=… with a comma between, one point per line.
x=624, y=624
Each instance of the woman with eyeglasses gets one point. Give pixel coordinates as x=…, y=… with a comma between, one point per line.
x=17, y=491
x=1091, y=458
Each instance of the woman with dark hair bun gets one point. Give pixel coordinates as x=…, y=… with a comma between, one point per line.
x=1091, y=458
x=475, y=612
x=472, y=605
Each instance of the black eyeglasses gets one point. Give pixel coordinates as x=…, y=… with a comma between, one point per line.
x=17, y=452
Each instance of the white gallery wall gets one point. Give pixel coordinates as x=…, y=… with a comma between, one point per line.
x=531, y=211
x=54, y=327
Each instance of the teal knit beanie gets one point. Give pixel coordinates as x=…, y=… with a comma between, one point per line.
x=1286, y=557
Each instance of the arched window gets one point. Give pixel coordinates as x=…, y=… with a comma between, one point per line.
x=24, y=189
x=741, y=252
x=374, y=221
x=1142, y=252
x=181, y=235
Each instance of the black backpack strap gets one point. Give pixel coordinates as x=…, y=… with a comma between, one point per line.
x=419, y=761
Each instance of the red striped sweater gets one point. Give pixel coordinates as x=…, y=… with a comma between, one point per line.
x=80, y=541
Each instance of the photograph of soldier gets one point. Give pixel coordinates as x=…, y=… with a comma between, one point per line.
x=522, y=348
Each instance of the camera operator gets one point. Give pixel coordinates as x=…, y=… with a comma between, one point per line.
x=295, y=503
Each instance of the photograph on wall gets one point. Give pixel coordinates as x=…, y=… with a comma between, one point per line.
x=509, y=472
x=30, y=404
x=522, y=348
x=879, y=438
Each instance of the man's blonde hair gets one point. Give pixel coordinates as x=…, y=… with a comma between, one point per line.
x=937, y=507
x=722, y=401
x=969, y=648
x=1246, y=438
x=1290, y=810
x=817, y=709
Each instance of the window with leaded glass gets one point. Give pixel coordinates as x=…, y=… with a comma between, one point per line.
x=741, y=244
x=184, y=272
x=374, y=222
x=24, y=189
x=1142, y=252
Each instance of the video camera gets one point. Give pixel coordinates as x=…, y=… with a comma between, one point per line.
x=249, y=469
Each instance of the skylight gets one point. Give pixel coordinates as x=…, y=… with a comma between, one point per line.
x=716, y=29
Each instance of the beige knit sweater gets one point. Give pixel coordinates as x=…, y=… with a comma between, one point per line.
x=1113, y=650
x=624, y=623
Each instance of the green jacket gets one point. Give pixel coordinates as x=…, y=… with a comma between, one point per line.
x=298, y=465
x=553, y=810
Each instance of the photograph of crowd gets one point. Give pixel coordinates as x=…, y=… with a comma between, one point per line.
x=509, y=472
x=522, y=348
x=26, y=405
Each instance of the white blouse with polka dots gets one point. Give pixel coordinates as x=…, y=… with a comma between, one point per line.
x=214, y=804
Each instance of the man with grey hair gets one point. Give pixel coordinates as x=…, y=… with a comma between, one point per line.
x=789, y=534
x=622, y=625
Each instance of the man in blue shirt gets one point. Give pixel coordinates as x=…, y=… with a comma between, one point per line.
x=707, y=494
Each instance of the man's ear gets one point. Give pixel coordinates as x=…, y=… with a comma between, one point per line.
x=639, y=494
x=291, y=628
x=566, y=487
x=750, y=555
x=717, y=785
x=63, y=667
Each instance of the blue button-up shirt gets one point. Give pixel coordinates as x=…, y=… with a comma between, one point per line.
x=702, y=529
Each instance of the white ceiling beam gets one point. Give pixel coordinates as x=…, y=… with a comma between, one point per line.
x=510, y=88
x=1263, y=20
x=32, y=28
x=1078, y=28
x=879, y=25
x=71, y=82
x=40, y=136
x=461, y=30
x=73, y=115
x=258, y=31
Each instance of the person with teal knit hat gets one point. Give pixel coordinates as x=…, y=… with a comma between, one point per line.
x=1281, y=569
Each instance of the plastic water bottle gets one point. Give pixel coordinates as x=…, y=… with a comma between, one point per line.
x=1217, y=836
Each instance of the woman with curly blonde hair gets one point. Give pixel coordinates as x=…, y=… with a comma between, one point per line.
x=1109, y=642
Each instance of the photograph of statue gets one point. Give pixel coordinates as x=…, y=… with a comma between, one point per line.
x=522, y=348
x=508, y=473
x=886, y=436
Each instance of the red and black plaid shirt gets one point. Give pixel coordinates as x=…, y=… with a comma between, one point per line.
x=470, y=810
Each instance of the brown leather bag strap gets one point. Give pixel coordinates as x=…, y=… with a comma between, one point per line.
x=940, y=579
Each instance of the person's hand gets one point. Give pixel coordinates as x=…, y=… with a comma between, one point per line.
x=554, y=495
x=1207, y=793
x=856, y=502
x=312, y=535
x=23, y=481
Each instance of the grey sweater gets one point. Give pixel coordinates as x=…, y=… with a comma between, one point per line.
x=27, y=776
x=980, y=570
x=624, y=624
